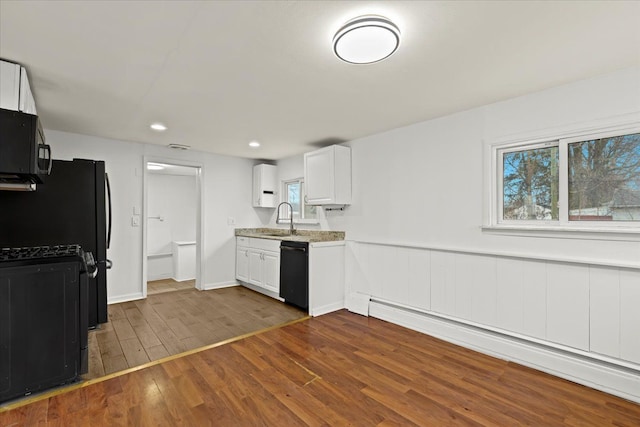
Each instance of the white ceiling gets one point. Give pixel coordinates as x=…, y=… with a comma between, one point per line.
x=220, y=74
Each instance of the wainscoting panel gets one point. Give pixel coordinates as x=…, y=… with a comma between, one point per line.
x=419, y=278
x=510, y=294
x=443, y=276
x=604, y=327
x=568, y=304
x=534, y=304
x=484, y=289
x=630, y=315
x=592, y=310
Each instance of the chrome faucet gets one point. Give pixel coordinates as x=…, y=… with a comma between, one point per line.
x=292, y=230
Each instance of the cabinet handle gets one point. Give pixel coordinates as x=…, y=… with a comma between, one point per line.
x=305, y=198
x=246, y=253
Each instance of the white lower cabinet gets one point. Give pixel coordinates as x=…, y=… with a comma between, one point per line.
x=258, y=263
x=242, y=264
x=271, y=270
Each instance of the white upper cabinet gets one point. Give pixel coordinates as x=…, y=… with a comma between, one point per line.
x=327, y=176
x=265, y=186
x=15, y=92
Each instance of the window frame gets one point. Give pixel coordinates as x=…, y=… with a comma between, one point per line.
x=303, y=204
x=495, y=220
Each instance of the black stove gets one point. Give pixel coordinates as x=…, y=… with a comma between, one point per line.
x=40, y=252
x=43, y=317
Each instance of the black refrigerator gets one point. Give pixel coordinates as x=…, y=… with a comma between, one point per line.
x=71, y=206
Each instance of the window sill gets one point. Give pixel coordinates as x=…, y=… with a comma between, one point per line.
x=630, y=234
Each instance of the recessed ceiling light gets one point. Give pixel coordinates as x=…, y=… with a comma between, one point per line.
x=154, y=166
x=158, y=126
x=254, y=144
x=366, y=39
x=179, y=146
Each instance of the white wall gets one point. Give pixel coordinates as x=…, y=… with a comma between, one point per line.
x=227, y=193
x=173, y=198
x=416, y=242
x=171, y=216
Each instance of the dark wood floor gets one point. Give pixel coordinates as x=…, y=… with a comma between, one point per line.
x=169, y=323
x=335, y=370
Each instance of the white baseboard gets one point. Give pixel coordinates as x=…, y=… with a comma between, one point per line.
x=151, y=278
x=327, y=308
x=358, y=303
x=219, y=285
x=261, y=290
x=618, y=381
x=124, y=298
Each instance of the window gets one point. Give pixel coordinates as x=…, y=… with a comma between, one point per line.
x=530, y=184
x=295, y=194
x=590, y=181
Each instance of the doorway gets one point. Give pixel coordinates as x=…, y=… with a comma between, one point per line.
x=172, y=236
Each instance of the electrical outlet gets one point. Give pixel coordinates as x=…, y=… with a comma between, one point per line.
x=231, y=221
x=135, y=221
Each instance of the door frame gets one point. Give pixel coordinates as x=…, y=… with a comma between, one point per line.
x=199, y=214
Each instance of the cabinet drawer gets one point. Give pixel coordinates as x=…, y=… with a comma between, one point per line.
x=265, y=244
x=242, y=241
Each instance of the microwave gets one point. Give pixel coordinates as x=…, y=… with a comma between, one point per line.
x=24, y=156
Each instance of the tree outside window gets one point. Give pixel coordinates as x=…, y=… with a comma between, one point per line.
x=602, y=180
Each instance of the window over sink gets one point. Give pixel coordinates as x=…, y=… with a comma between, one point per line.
x=294, y=192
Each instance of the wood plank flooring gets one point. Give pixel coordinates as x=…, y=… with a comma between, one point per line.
x=169, y=323
x=334, y=370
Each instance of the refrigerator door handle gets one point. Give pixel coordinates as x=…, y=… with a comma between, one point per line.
x=106, y=175
x=108, y=264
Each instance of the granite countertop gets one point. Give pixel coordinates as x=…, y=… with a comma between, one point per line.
x=298, y=236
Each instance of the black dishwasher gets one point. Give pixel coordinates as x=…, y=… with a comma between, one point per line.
x=294, y=273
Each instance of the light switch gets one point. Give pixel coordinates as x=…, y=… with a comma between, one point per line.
x=135, y=221
x=231, y=221
x=136, y=210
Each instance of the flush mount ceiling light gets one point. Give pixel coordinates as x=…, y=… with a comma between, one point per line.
x=254, y=144
x=158, y=126
x=366, y=39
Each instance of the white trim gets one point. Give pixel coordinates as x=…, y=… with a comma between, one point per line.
x=525, y=256
x=329, y=308
x=608, y=233
x=219, y=285
x=126, y=298
x=162, y=255
x=619, y=381
x=261, y=290
x=200, y=214
x=358, y=303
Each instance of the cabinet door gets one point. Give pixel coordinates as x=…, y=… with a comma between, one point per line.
x=242, y=264
x=264, y=186
x=27, y=103
x=271, y=276
x=319, y=176
x=9, y=86
x=255, y=267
